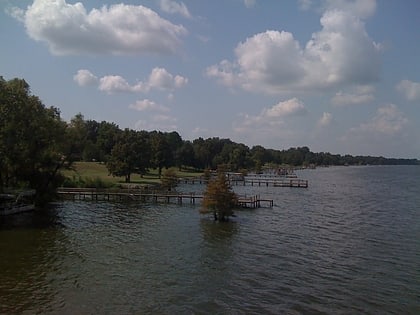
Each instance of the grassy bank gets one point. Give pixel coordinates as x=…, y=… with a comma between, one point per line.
x=94, y=174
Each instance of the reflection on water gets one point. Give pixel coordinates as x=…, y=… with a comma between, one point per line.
x=29, y=252
x=344, y=245
x=218, y=233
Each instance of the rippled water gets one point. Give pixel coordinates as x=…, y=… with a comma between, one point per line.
x=349, y=244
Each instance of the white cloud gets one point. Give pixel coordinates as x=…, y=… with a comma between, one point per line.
x=148, y=105
x=359, y=8
x=359, y=95
x=287, y=108
x=162, y=79
x=84, y=77
x=387, y=121
x=224, y=72
x=305, y=4
x=200, y=131
x=250, y=3
x=270, y=119
x=273, y=62
x=410, y=89
x=159, y=79
x=325, y=120
x=118, y=29
x=157, y=122
x=16, y=13
x=174, y=7
x=116, y=83
x=268, y=62
x=386, y=133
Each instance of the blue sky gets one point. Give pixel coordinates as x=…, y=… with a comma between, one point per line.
x=336, y=76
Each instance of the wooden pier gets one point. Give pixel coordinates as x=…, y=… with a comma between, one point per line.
x=193, y=180
x=155, y=197
x=254, y=202
x=273, y=182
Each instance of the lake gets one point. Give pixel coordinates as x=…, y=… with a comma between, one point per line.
x=348, y=244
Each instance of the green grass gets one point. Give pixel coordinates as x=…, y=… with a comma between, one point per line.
x=90, y=172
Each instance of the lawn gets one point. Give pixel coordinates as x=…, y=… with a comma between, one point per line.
x=91, y=171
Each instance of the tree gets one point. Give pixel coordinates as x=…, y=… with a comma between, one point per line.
x=34, y=143
x=184, y=156
x=202, y=154
x=108, y=134
x=78, y=133
x=239, y=157
x=161, y=153
x=169, y=179
x=174, y=142
x=129, y=155
x=219, y=197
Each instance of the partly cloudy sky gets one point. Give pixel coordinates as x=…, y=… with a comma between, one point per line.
x=338, y=76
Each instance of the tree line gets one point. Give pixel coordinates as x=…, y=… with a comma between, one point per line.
x=130, y=151
x=36, y=144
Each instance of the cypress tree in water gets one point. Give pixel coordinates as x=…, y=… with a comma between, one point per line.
x=219, y=197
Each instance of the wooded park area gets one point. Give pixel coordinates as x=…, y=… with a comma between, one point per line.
x=36, y=145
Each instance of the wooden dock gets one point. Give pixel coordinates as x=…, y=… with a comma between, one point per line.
x=272, y=181
x=155, y=197
x=254, y=202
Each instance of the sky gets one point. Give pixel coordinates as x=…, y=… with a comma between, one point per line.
x=337, y=76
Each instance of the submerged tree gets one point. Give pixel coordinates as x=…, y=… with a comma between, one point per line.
x=169, y=179
x=219, y=197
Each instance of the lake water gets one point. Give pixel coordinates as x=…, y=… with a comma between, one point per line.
x=348, y=244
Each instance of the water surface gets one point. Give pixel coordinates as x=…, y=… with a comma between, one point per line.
x=349, y=244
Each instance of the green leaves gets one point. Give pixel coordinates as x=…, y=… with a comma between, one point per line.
x=219, y=197
x=130, y=154
x=32, y=139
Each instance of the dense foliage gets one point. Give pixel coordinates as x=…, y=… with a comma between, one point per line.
x=169, y=179
x=35, y=144
x=219, y=198
x=107, y=143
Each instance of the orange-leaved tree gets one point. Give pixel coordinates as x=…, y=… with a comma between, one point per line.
x=219, y=197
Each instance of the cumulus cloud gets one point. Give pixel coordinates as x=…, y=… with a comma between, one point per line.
x=17, y=13
x=287, y=108
x=273, y=62
x=361, y=8
x=305, y=4
x=270, y=119
x=325, y=120
x=157, y=122
x=148, y=105
x=359, y=95
x=162, y=79
x=84, y=77
x=387, y=132
x=174, y=7
x=118, y=29
x=250, y=3
x=410, y=89
x=159, y=79
x=388, y=121
x=116, y=83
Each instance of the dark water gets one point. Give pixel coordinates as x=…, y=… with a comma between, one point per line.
x=349, y=244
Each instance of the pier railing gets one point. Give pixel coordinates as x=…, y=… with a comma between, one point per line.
x=151, y=196
x=273, y=182
x=270, y=181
